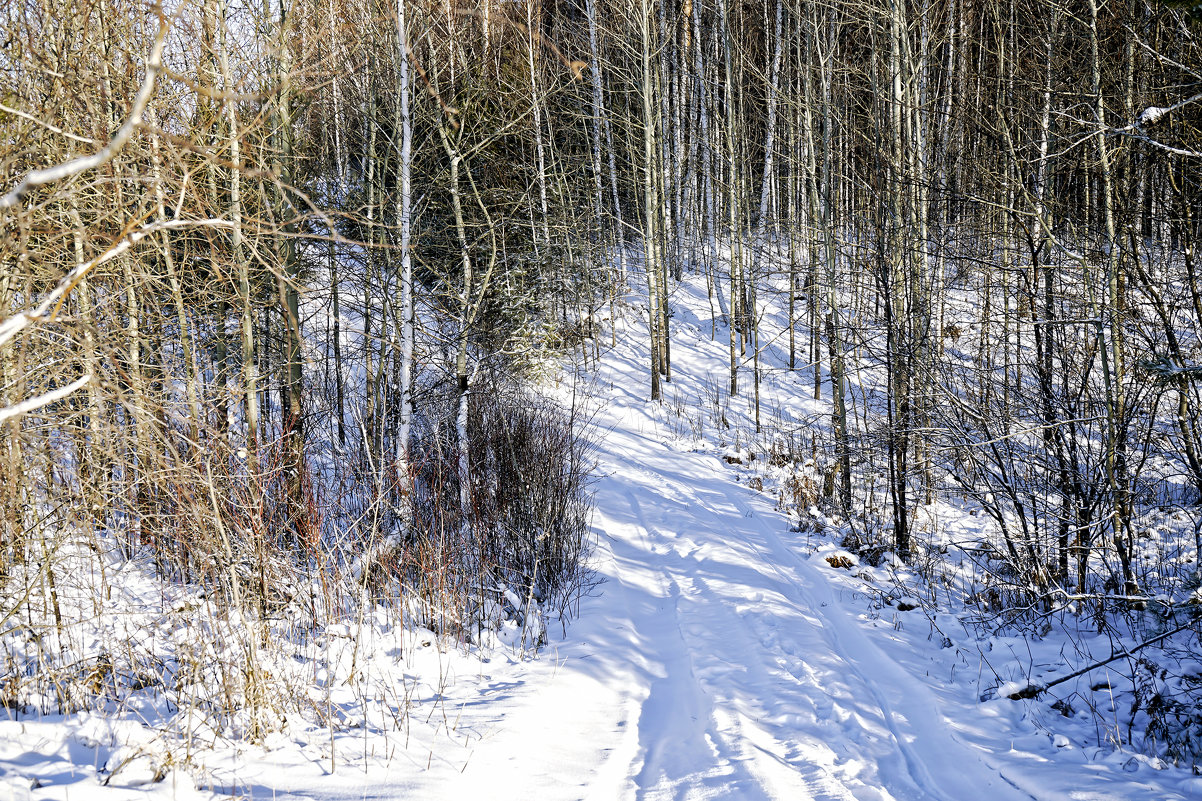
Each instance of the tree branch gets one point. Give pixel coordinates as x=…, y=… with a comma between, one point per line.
x=1033, y=690
x=30, y=404
x=75, y=166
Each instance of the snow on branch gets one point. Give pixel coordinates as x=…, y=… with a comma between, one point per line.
x=1018, y=691
x=59, y=172
x=1152, y=115
x=48, y=308
x=1166, y=370
x=31, y=404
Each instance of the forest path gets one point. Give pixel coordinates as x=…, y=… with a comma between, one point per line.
x=742, y=674
x=714, y=659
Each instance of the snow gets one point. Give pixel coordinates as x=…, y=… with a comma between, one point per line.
x=723, y=655
x=1010, y=689
x=1151, y=115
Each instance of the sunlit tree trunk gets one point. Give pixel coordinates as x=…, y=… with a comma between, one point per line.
x=405, y=224
x=1112, y=357
x=651, y=255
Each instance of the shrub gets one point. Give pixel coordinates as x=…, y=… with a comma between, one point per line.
x=526, y=532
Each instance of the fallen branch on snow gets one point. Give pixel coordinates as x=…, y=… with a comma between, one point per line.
x=1033, y=690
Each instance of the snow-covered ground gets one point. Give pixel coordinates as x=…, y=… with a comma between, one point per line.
x=722, y=655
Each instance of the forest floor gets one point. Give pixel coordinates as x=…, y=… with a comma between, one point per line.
x=723, y=654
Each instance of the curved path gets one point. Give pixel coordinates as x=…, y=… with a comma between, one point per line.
x=744, y=677
x=713, y=662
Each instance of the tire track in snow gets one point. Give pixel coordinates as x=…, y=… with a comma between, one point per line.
x=905, y=717
x=716, y=719
x=792, y=762
x=759, y=699
x=674, y=731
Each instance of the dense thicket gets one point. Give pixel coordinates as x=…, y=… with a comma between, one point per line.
x=288, y=229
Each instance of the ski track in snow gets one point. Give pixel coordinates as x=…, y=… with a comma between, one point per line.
x=755, y=689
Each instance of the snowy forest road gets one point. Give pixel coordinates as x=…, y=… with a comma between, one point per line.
x=713, y=661
x=745, y=677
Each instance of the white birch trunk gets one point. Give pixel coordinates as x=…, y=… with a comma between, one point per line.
x=602, y=120
x=650, y=203
x=405, y=221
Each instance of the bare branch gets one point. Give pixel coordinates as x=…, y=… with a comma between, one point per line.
x=16, y=323
x=31, y=404
x=67, y=169
x=16, y=112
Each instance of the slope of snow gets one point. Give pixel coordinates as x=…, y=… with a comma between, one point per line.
x=721, y=656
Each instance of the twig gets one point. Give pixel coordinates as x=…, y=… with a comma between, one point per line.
x=1034, y=690
x=30, y=404
x=14, y=324
x=75, y=166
